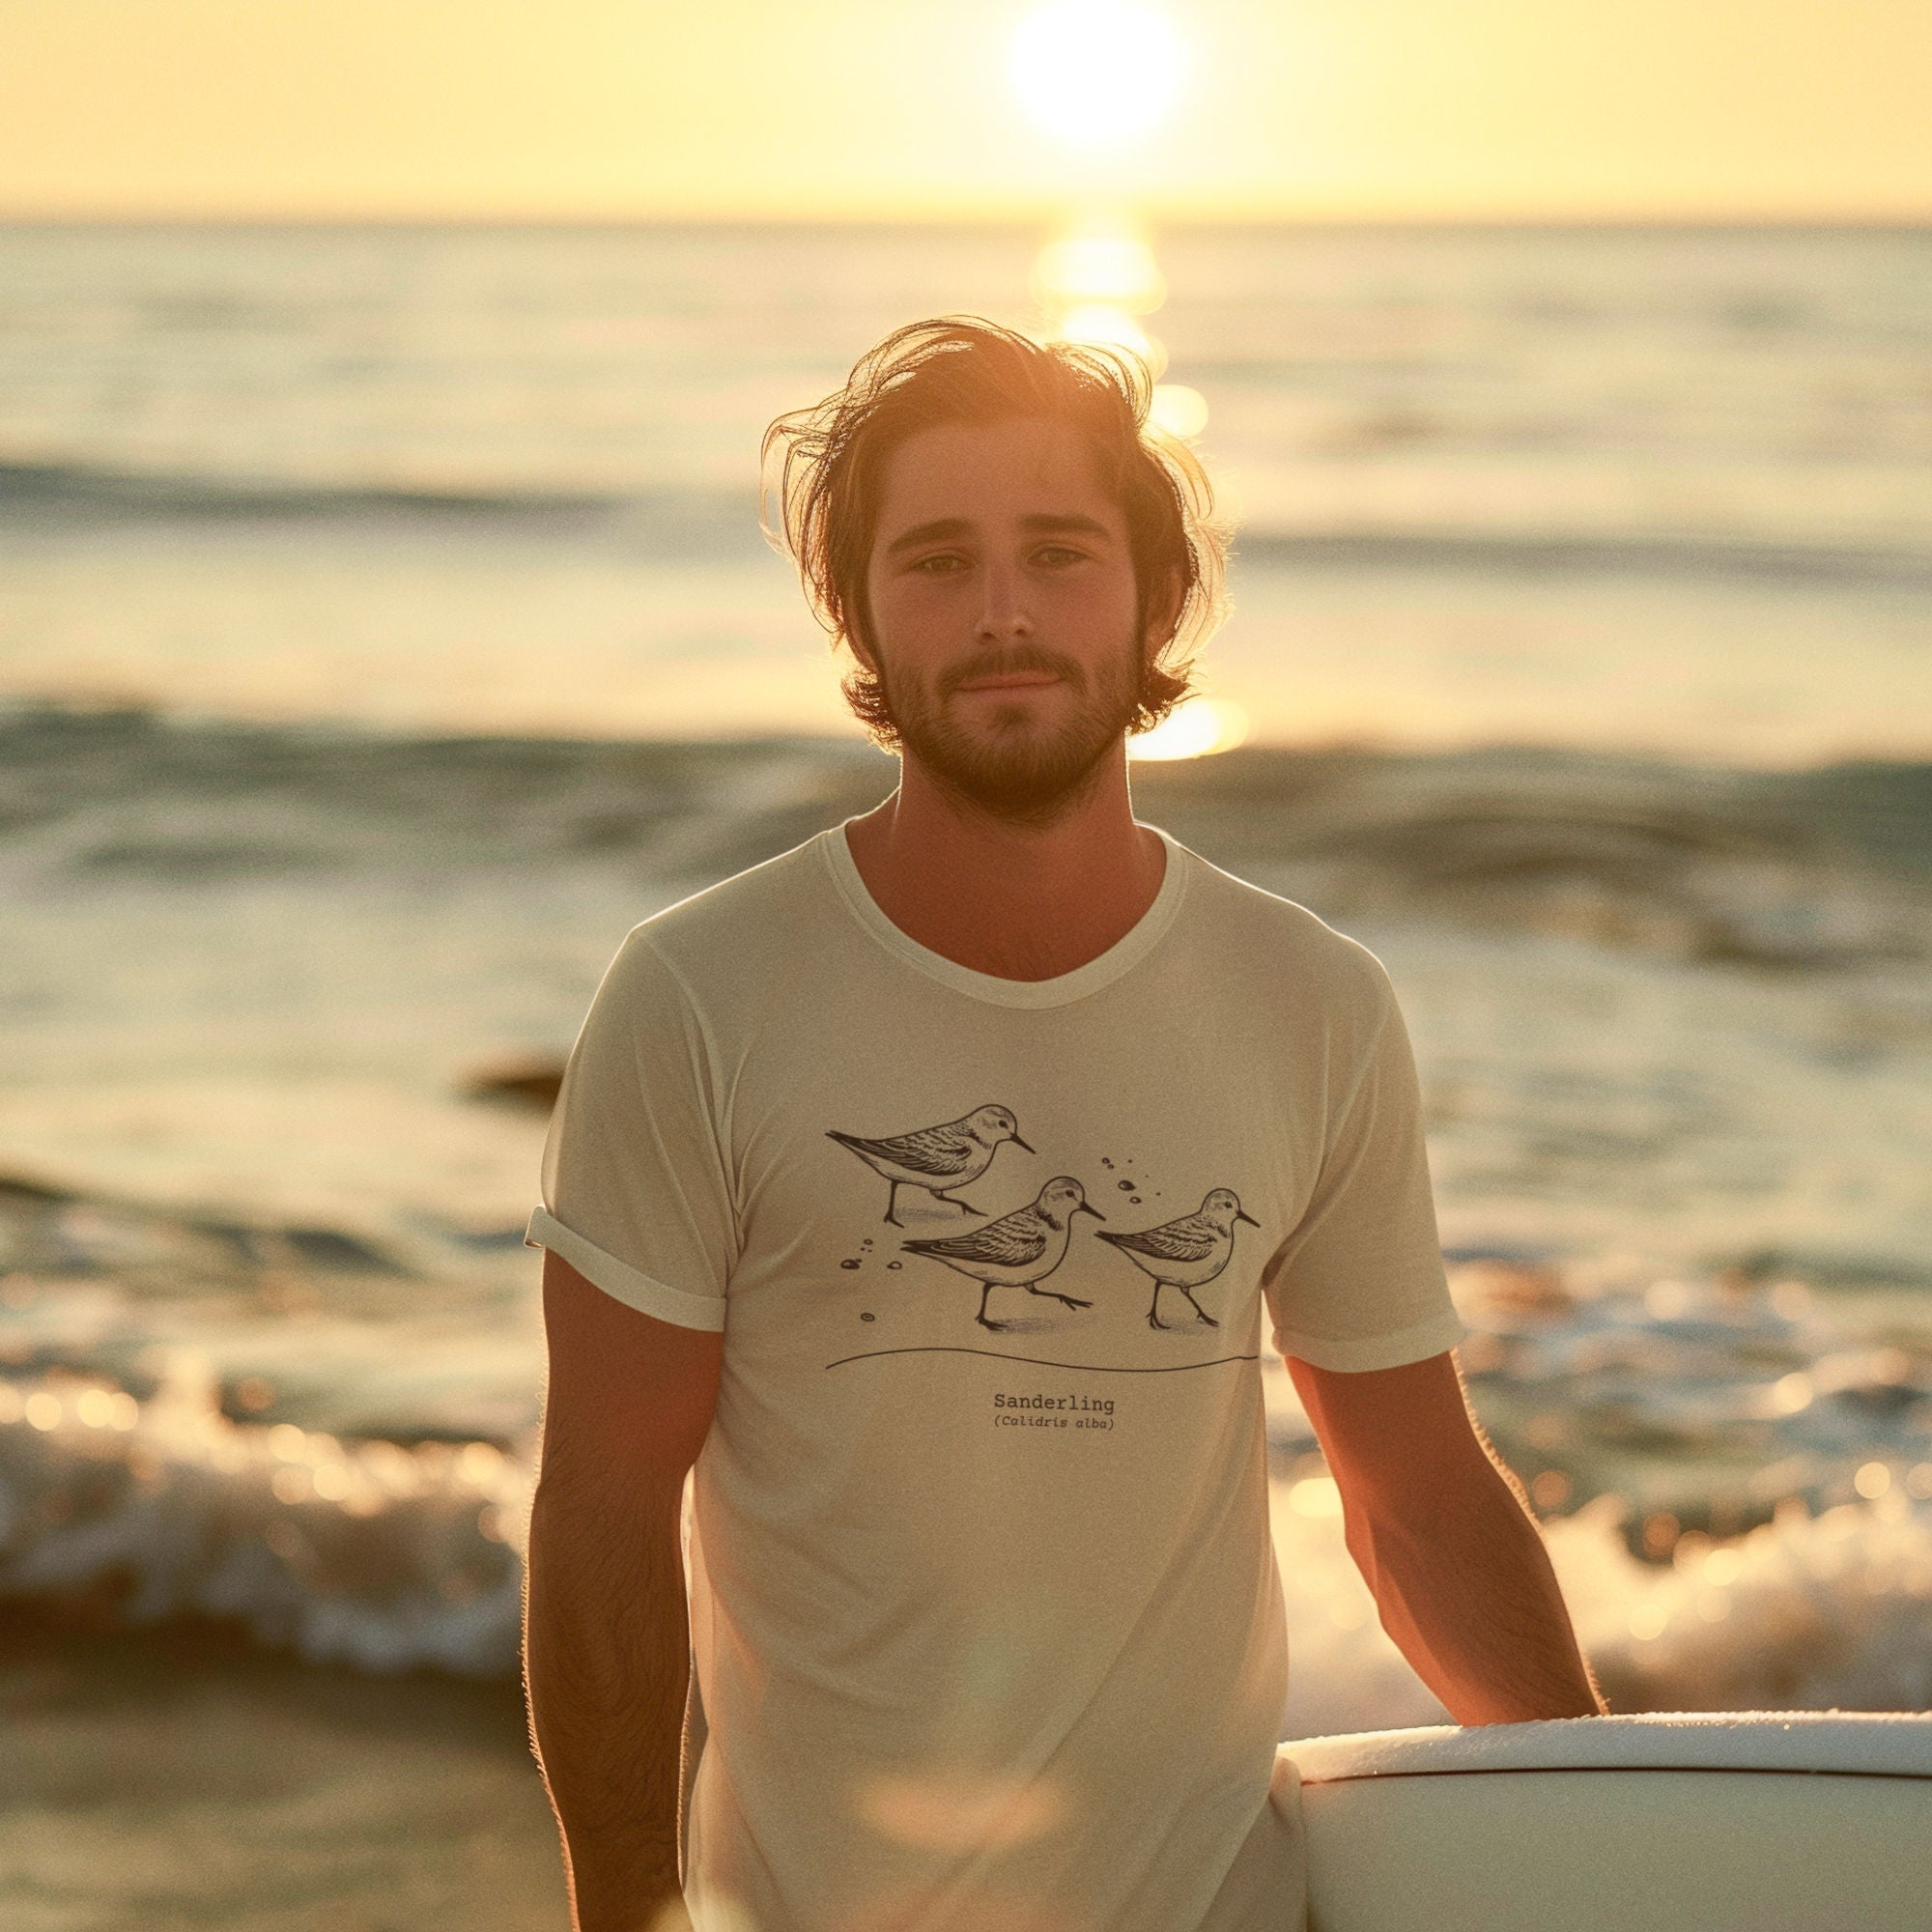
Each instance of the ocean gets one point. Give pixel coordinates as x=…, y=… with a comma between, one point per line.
x=385, y=627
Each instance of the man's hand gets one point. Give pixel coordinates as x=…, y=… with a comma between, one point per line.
x=606, y=1645
x=1444, y=1537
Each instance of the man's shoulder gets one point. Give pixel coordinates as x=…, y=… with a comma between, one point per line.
x=1279, y=936
x=733, y=926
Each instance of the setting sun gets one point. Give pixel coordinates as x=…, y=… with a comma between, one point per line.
x=1091, y=72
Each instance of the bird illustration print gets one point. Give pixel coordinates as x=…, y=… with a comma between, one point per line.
x=938, y=1159
x=1188, y=1253
x=1018, y=1250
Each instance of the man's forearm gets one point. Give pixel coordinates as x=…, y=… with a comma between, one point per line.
x=606, y=1658
x=1468, y=1592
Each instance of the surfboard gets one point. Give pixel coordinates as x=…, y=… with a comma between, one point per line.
x=1760, y=1821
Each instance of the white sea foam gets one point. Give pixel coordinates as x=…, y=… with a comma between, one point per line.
x=358, y=1553
x=1833, y=1611
x=385, y=1558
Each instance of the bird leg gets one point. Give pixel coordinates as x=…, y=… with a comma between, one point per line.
x=892, y=1207
x=1154, y=1307
x=985, y=1320
x=1197, y=1307
x=1056, y=1295
x=954, y=1200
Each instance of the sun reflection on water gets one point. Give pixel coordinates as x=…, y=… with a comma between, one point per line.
x=1195, y=729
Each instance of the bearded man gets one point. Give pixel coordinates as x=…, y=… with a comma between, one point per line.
x=865, y=1168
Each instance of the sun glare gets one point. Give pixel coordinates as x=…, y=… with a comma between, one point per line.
x=1193, y=730
x=1092, y=72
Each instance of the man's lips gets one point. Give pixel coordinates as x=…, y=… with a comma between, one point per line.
x=1011, y=680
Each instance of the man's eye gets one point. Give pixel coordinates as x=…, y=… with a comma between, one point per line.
x=1057, y=555
x=940, y=566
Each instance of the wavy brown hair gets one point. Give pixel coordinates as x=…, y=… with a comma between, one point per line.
x=823, y=465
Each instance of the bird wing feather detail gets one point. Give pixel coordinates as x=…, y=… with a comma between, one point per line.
x=930, y=1151
x=1177, y=1241
x=998, y=1242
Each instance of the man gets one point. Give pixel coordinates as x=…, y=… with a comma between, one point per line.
x=921, y=1193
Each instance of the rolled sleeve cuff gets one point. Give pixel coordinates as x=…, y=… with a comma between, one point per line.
x=1414, y=1343
x=621, y=1280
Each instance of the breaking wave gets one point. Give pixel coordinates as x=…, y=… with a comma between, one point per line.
x=384, y=1557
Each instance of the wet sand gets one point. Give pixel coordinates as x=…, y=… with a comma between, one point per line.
x=181, y=1779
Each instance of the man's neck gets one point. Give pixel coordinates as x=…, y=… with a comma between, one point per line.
x=1016, y=899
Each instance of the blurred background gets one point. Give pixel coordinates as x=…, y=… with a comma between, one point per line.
x=384, y=629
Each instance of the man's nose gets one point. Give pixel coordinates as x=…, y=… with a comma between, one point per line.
x=1004, y=612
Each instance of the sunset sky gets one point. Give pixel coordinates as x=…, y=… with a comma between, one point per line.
x=852, y=108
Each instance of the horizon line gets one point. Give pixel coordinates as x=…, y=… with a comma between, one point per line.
x=1180, y=217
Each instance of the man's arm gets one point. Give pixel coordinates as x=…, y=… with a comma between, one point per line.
x=606, y=1646
x=1442, y=1532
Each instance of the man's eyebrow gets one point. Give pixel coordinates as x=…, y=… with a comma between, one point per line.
x=1069, y=523
x=1042, y=522
x=923, y=533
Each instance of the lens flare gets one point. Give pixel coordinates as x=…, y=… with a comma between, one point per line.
x=1178, y=410
x=1111, y=328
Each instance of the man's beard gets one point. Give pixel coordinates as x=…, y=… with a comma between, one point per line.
x=1013, y=767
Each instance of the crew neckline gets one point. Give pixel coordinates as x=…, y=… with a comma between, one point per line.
x=1125, y=953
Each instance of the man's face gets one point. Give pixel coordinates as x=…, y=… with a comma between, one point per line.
x=1005, y=621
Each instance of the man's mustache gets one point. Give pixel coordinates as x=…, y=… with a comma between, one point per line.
x=1024, y=658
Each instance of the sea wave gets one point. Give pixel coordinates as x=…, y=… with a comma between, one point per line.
x=331, y=1443
x=1798, y=869
x=79, y=497
x=361, y=1552
x=385, y=1558
x=695, y=521
x=1573, y=553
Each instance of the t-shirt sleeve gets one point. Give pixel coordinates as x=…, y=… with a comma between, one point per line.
x=637, y=1189
x=1359, y=1284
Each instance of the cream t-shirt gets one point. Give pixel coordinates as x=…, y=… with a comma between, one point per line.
x=987, y=1627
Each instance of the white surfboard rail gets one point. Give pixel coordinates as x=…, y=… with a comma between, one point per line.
x=1753, y=1821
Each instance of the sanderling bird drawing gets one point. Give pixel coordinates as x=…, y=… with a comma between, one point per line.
x=1018, y=1250
x=938, y=1159
x=1188, y=1253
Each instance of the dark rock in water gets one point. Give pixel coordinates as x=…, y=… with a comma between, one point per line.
x=17, y=1188
x=523, y=1083
x=332, y=1249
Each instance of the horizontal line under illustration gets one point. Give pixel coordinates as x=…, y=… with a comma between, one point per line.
x=1044, y=1361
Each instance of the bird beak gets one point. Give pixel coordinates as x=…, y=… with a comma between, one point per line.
x=1242, y=1215
x=1017, y=1141
x=1083, y=1208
